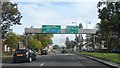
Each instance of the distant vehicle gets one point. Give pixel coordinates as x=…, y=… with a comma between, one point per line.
x=64, y=51
x=115, y=50
x=24, y=55
x=43, y=52
x=91, y=50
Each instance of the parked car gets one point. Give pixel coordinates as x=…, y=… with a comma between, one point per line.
x=115, y=50
x=91, y=50
x=43, y=52
x=24, y=55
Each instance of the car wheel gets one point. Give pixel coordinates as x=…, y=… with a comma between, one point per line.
x=30, y=59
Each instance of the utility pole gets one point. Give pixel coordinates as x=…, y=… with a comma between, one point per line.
x=77, y=48
x=26, y=40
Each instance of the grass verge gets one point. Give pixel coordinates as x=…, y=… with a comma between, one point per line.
x=105, y=56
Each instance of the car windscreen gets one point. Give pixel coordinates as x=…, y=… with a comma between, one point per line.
x=44, y=51
x=20, y=51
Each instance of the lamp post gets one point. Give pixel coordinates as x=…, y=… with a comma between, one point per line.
x=87, y=24
x=26, y=38
x=87, y=35
x=76, y=37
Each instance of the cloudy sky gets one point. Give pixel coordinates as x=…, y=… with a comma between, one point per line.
x=57, y=12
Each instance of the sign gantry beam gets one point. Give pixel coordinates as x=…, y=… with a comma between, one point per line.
x=62, y=31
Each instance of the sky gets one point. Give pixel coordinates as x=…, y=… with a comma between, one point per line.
x=57, y=12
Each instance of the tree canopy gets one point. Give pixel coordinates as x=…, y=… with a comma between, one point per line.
x=45, y=39
x=34, y=44
x=108, y=28
x=10, y=16
x=12, y=40
x=67, y=43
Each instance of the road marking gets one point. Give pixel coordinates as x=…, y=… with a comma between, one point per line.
x=42, y=64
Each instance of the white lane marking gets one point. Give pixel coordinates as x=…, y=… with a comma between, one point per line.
x=42, y=64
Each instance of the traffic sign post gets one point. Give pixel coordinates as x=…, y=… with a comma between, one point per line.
x=51, y=29
x=71, y=29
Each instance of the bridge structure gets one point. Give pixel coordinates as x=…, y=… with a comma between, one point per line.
x=62, y=31
x=56, y=29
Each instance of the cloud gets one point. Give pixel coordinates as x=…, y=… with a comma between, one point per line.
x=37, y=14
x=61, y=38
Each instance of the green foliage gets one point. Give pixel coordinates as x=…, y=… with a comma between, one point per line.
x=80, y=37
x=80, y=26
x=108, y=28
x=67, y=43
x=12, y=40
x=35, y=41
x=6, y=54
x=34, y=44
x=72, y=44
x=44, y=38
x=39, y=41
x=10, y=16
x=106, y=56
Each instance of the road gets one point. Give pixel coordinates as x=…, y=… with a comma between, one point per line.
x=58, y=59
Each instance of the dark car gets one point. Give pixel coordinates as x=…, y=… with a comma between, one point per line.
x=24, y=55
x=44, y=52
x=115, y=50
x=64, y=51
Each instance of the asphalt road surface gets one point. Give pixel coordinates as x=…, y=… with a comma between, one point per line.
x=58, y=59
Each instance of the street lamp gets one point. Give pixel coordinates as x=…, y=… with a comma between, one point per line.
x=87, y=35
x=87, y=24
x=76, y=37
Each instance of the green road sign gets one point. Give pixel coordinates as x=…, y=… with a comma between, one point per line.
x=51, y=28
x=71, y=29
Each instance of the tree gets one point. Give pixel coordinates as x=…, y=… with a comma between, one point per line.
x=80, y=26
x=39, y=41
x=72, y=44
x=45, y=39
x=34, y=44
x=10, y=16
x=109, y=13
x=67, y=43
x=12, y=40
x=80, y=37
